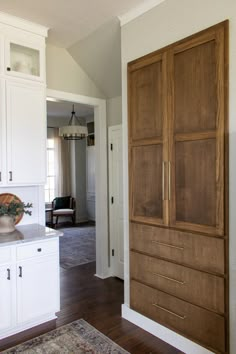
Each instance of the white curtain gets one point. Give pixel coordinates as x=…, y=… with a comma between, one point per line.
x=62, y=165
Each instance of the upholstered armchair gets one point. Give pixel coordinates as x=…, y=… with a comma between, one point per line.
x=63, y=207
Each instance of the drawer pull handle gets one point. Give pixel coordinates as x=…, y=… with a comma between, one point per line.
x=172, y=313
x=8, y=274
x=39, y=249
x=168, y=245
x=168, y=278
x=20, y=272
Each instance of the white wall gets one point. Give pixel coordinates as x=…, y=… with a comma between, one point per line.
x=171, y=21
x=64, y=74
x=114, y=111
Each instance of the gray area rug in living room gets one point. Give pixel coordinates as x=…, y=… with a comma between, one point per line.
x=77, y=246
x=78, y=337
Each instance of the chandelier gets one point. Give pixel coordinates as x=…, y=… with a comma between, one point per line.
x=75, y=130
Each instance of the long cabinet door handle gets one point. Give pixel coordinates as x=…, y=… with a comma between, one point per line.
x=163, y=180
x=168, y=278
x=171, y=312
x=169, y=180
x=8, y=274
x=168, y=245
x=20, y=272
x=0, y=176
x=10, y=176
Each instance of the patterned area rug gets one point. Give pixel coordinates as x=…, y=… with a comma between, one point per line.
x=77, y=246
x=78, y=337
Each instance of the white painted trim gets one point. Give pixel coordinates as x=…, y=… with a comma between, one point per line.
x=111, y=226
x=23, y=24
x=174, y=339
x=138, y=11
x=102, y=268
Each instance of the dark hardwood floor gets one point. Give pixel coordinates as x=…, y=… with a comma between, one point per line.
x=98, y=302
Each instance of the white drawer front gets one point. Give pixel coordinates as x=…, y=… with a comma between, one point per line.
x=5, y=255
x=37, y=249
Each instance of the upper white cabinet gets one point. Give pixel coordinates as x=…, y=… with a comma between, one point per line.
x=24, y=60
x=22, y=102
x=26, y=133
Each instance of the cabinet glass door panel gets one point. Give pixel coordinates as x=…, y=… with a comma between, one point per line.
x=24, y=60
x=146, y=186
x=195, y=177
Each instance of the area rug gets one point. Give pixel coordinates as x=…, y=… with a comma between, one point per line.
x=78, y=337
x=77, y=246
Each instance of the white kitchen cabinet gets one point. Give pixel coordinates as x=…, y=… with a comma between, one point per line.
x=24, y=60
x=6, y=297
x=2, y=132
x=26, y=133
x=29, y=285
x=37, y=288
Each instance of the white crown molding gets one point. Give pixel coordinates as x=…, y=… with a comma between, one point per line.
x=23, y=24
x=138, y=11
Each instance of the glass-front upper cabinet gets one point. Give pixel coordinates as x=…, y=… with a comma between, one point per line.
x=24, y=61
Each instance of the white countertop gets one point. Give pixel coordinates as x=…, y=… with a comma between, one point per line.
x=28, y=233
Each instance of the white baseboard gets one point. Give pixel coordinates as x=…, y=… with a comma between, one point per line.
x=168, y=336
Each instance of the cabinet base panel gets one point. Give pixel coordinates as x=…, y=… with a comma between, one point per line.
x=168, y=336
x=28, y=325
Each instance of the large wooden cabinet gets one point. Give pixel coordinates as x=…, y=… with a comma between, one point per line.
x=178, y=179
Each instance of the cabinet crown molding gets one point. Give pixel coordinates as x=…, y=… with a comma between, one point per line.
x=23, y=24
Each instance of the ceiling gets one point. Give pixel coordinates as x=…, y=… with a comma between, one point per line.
x=69, y=21
x=62, y=109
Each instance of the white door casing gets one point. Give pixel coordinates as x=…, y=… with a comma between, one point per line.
x=101, y=179
x=116, y=201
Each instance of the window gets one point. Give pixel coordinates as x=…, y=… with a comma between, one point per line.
x=50, y=187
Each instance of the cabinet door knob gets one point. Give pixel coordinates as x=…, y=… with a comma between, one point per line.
x=8, y=274
x=20, y=272
x=8, y=68
x=39, y=249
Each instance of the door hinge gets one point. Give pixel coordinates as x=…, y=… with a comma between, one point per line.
x=111, y=147
x=113, y=253
x=112, y=200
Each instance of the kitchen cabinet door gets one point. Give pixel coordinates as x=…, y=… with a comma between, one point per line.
x=148, y=148
x=2, y=132
x=7, y=286
x=26, y=133
x=37, y=288
x=197, y=134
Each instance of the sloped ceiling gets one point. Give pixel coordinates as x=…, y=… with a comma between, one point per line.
x=99, y=55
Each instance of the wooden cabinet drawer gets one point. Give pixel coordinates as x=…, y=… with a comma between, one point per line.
x=5, y=255
x=35, y=249
x=203, y=252
x=205, y=327
x=191, y=285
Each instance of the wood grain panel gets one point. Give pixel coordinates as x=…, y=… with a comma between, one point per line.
x=193, y=250
x=202, y=325
x=196, y=287
x=195, y=182
x=147, y=181
x=146, y=120
x=195, y=89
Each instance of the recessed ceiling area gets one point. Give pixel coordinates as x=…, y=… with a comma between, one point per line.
x=62, y=109
x=69, y=21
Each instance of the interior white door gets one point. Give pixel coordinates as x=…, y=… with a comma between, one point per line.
x=26, y=133
x=6, y=297
x=37, y=288
x=116, y=201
